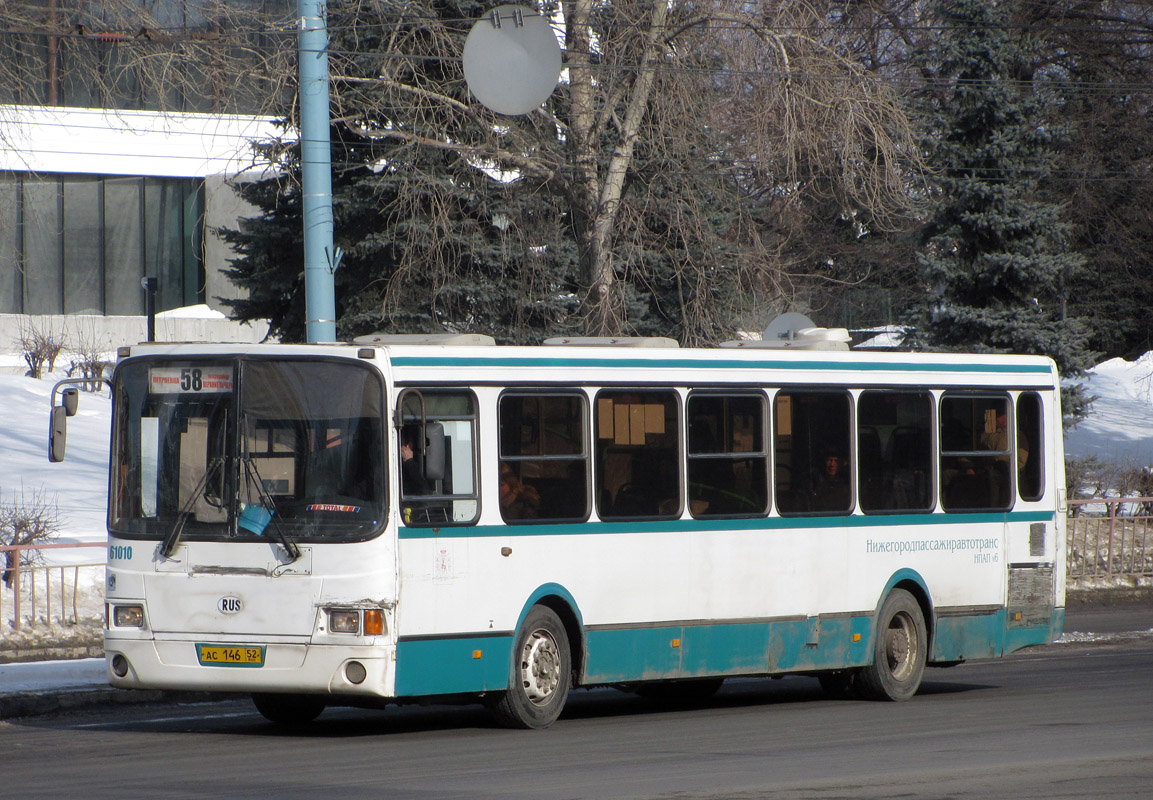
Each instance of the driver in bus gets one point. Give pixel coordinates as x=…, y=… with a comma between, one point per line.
x=412, y=480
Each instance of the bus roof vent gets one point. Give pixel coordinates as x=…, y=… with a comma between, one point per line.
x=793, y=331
x=458, y=339
x=612, y=341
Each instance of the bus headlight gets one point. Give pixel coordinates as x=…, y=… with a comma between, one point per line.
x=342, y=621
x=128, y=616
x=369, y=622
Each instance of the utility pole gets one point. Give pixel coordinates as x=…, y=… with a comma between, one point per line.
x=320, y=256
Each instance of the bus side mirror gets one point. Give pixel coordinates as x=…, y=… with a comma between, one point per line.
x=434, y=451
x=58, y=432
x=70, y=399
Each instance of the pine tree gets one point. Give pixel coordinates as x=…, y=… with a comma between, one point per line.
x=430, y=242
x=993, y=254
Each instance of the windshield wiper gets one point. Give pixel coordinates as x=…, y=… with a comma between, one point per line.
x=168, y=546
x=251, y=473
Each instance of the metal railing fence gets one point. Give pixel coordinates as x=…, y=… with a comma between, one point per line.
x=32, y=594
x=1109, y=540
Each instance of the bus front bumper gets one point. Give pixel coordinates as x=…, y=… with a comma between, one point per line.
x=293, y=667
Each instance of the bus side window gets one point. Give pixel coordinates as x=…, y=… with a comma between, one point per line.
x=976, y=460
x=638, y=454
x=1030, y=443
x=727, y=456
x=543, y=457
x=811, y=448
x=894, y=447
x=450, y=497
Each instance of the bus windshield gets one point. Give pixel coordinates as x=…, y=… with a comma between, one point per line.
x=247, y=448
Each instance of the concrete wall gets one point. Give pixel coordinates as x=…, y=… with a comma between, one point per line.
x=105, y=334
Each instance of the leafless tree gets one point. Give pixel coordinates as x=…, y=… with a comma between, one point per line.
x=26, y=521
x=768, y=100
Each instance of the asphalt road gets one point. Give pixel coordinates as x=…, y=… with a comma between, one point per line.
x=1065, y=721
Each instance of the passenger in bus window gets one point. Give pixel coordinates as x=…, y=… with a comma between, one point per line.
x=518, y=500
x=413, y=482
x=998, y=440
x=831, y=488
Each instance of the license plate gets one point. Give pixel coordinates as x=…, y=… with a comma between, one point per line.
x=230, y=655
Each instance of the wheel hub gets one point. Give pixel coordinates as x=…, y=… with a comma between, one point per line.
x=899, y=644
x=540, y=667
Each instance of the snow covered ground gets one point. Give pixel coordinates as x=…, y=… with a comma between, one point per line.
x=1120, y=429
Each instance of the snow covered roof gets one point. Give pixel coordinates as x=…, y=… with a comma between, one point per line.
x=107, y=142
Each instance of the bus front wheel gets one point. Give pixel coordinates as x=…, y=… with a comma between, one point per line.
x=541, y=673
x=899, y=651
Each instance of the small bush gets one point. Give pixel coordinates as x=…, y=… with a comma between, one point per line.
x=89, y=359
x=26, y=521
x=39, y=348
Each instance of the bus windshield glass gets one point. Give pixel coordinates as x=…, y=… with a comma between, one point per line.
x=246, y=448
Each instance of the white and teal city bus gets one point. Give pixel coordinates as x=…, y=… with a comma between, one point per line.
x=578, y=514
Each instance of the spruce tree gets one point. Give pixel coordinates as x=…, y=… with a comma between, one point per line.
x=430, y=241
x=993, y=254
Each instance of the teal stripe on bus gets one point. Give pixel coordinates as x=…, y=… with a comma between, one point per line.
x=713, y=525
x=452, y=665
x=680, y=363
x=644, y=653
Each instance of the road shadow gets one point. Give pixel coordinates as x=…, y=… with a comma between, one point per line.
x=239, y=717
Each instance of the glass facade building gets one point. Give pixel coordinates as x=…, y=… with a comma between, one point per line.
x=80, y=244
x=84, y=217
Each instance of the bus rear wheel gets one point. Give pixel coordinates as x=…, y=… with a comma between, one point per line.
x=541, y=673
x=288, y=709
x=899, y=651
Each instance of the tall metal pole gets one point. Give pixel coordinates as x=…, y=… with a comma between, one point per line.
x=320, y=257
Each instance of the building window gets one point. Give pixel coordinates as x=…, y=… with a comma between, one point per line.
x=207, y=58
x=80, y=244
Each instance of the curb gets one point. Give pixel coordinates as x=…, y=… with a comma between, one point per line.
x=1109, y=597
x=36, y=704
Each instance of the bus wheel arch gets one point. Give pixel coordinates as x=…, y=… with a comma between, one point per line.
x=912, y=582
x=540, y=672
x=564, y=605
x=900, y=647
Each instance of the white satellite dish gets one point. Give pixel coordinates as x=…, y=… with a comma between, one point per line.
x=785, y=327
x=793, y=331
x=512, y=60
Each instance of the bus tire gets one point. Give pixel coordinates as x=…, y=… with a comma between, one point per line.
x=899, y=651
x=540, y=674
x=288, y=709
